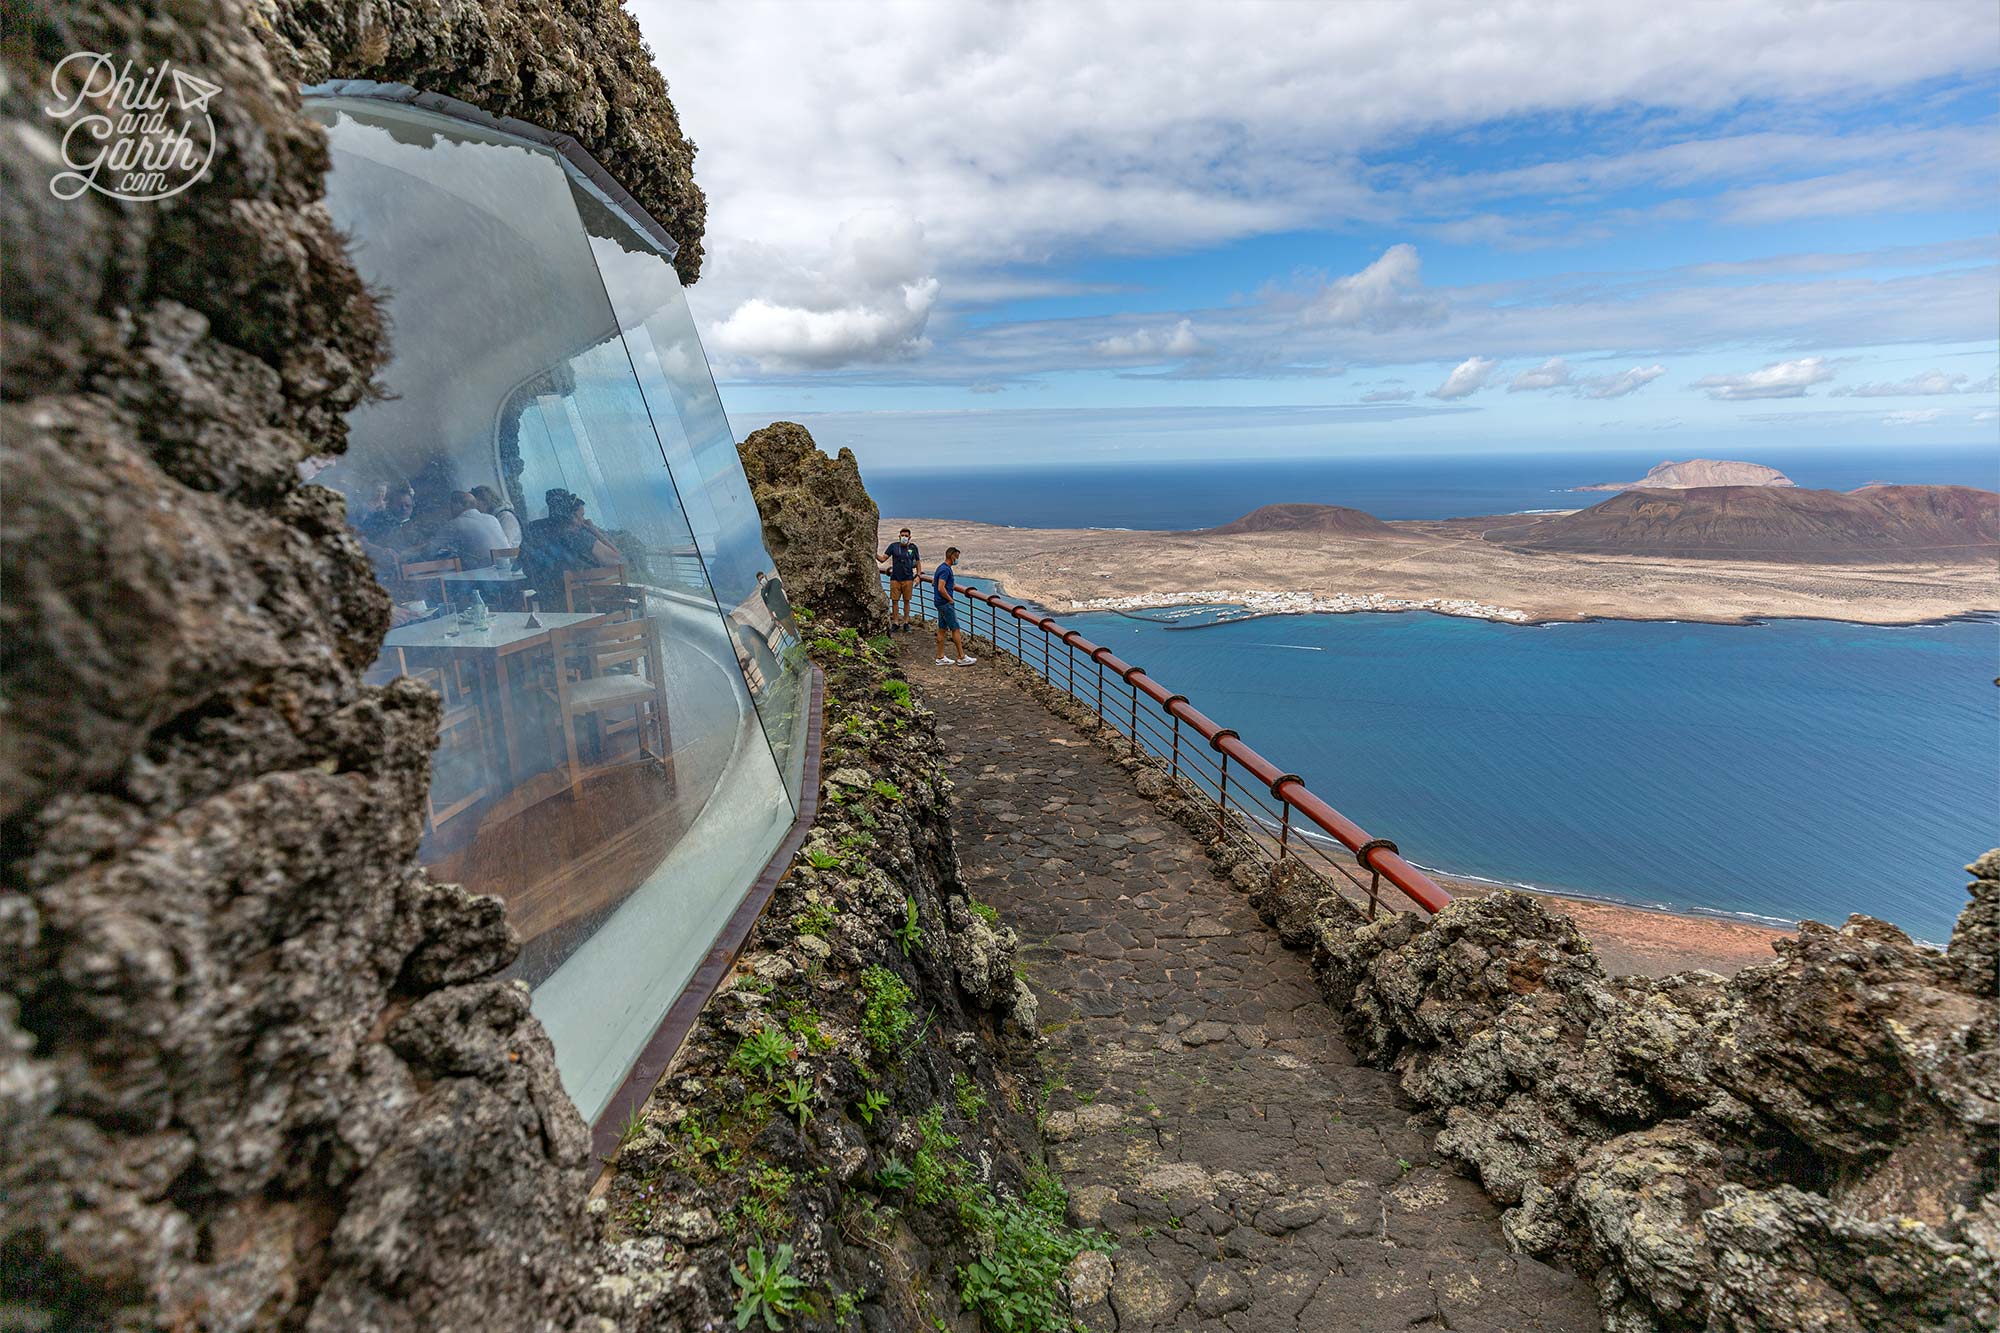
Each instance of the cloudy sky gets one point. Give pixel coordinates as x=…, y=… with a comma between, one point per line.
x=1439, y=227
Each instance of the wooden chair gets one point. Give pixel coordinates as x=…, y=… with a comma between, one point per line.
x=620, y=672
x=420, y=579
x=601, y=590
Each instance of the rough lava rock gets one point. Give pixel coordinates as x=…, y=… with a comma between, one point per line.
x=819, y=524
x=255, y=1070
x=1810, y=1144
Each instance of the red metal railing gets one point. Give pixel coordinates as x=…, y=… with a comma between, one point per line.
x=1270, y=813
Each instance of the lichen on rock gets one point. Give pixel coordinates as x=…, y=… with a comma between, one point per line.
x=1809, y=1144
x=819, y=524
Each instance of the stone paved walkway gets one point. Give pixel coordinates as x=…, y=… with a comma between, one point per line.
x=1255, y=1176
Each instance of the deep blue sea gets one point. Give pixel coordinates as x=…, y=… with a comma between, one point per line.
x=1200, y=495
x=1786, y=770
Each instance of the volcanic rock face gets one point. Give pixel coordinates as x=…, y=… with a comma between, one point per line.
x=1811, y=1144
x=1699, y=472
x=1877, y=523
x=255, y=1070
x=578, y=66
x=819, y=524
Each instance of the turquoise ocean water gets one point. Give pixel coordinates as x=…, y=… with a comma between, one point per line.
x=1777, y=771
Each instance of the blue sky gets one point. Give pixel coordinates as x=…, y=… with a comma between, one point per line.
x=951, y=233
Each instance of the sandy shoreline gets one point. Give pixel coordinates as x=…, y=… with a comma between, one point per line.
x=1443, y=566
x=1650, y=941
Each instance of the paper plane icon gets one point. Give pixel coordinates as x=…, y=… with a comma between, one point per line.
x=192, y=92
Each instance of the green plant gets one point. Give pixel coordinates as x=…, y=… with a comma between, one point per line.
x=631, y=1129
x=1403, y=1164
x=986, y=912
x=821, y=860
x=844, y=1305
x=897, y=692
x=936, y=1171
x=895, y=1175
x=1016, y=1282
x=888, y=790
x=970, y=1098
x=762, y=1054
x=880, y=643
x=870, y=1105
x=804, y=1024
x=814, y=919
x=910, y=935
x=797, y=1096
x=767, y=1288
x=885, y=1013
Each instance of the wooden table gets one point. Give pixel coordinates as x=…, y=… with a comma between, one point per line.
x=507, y=634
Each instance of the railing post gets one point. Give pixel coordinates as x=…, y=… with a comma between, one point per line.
x=1222, y=797
x=1174, y=769
x=1048, y=672
x=1100, y=686
x=1069, y=666
x=1135, y=715
x=1284, y=828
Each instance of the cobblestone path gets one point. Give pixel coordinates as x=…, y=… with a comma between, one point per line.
x=1255, y=1177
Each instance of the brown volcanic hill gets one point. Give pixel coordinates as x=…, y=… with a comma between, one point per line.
x=1334, y=519
x=1699, y=472
x=1928, y=523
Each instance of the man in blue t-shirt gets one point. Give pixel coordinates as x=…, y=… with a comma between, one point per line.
x=943, y=584
x=905, y=564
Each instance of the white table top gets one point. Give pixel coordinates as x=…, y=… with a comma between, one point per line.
x=508, y=630
x=486, y=575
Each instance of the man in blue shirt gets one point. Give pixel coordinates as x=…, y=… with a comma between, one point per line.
x=905, y=564
x=943, y=583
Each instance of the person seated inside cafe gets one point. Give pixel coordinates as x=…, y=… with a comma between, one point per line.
x=472, y=533
x=389, y=525
x=563, y=541
x=490, y=502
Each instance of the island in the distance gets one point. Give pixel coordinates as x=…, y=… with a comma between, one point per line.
x=1672, y=476
x=1889, y=555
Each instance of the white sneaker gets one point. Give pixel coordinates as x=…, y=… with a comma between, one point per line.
x=967, y=661
x=944, y=661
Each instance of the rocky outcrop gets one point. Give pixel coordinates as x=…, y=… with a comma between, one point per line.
x=255, y=1070
x=579, y=67
x=1810, y=1144
x=819, y=524
x=845, y=1093
x=1698, y=472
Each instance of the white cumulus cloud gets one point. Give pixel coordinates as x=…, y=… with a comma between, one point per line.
x=1617, y=386
x=1388, y=395
x=1553, y=373
x=1151, y=344
x=1780, y=379
x=865, y=297
x=1387, y=295
x=1467, y=378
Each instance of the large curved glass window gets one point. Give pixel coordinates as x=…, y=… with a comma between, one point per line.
x=548, y=490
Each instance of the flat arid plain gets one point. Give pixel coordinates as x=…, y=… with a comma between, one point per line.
x=1450, y=566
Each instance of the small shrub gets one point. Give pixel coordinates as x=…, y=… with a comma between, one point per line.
x=880, y=643
x=762, y=1054
x=767, y=1288
x=888, y=790
x=896, y=692
x=821, y=860
x=910, y=935
x=871, y=1104
x=885, y=1014
x=970, y=1098
x=895, y=1175
x=936, y=1172
x=797, y=1096
x=814, y=919
x=1024, y=1248
x=986, y=912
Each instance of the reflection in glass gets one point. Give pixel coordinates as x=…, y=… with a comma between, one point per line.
x=673, y=373
x=601, y=765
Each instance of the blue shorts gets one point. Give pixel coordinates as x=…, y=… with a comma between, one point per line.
x=947, y=615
